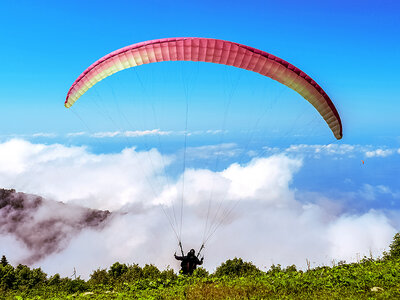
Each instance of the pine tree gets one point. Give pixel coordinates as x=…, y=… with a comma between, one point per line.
x=395, y=246
x=4, y=261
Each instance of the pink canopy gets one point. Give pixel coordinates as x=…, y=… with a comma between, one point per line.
x=213, y=51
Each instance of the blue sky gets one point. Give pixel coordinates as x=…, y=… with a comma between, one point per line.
x=351, y=48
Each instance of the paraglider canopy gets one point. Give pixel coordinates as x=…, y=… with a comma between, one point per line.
x=213, y=51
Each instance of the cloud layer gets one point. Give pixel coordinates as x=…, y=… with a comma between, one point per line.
x=259, y=216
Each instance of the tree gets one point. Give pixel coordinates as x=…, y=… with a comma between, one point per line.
x=134, y=272
x=55, y=279
x=4, y=261
x=235, y=268
x=151, y=272
x=200, y=272
x=100, y=276
x=117, y=269
x=25, y=277
x=7, y=277
x=395, y=247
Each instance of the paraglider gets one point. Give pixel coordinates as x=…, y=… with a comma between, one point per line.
x=189, y=262
x=213, y=51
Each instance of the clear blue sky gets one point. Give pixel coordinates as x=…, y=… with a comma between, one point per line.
x=350, y=47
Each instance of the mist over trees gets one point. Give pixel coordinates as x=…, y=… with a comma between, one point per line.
x=44, y=226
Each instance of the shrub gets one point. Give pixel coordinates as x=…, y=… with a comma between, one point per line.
x=7, y=277
x=151, y=272
x=74, y=285
x=200, y=272
x=236, y=268
x=168, y=274
x=29, y=278
x=395, y=247
x=133, y=273
x=54, y=280
x=275, y=269
x=291, y=269
x=100, y=276
x=117, y=269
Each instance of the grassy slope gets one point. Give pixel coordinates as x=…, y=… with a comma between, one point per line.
x=347, y=281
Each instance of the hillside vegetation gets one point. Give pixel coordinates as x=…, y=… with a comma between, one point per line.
x=234, y=279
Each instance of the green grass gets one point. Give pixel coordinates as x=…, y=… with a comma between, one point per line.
x=234, y=279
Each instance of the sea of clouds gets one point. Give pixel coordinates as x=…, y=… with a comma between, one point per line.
x=258, y=214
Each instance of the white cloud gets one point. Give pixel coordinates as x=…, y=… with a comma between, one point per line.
x=106, y=134
x=72, y=174
x=268, y=225
x=317, y=151
x=371, y=192
x=219, y=151
x=136, y=133
x=379, y=153
x=44, y=134
x=263, y=178
x=372, y=231
x=268, y=149
x=330, y=149
x=14, y=250
x=139, y=133
x=216, y=131
x=72, y=134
